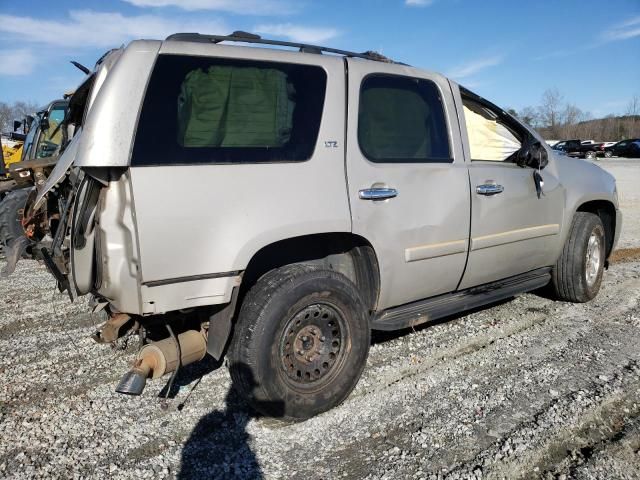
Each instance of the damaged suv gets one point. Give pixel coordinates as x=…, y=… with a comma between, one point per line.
x=276, y=206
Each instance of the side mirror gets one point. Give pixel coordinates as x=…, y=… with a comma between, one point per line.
x=44, y=123
x=532, y=154
x=16, y=125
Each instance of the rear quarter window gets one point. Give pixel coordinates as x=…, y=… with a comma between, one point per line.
x=213, y=110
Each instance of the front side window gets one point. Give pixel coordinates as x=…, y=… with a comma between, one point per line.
x=401, y=119
x=490, y=139
x=213, y=110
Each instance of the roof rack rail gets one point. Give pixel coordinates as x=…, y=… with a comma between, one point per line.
x=246, y=37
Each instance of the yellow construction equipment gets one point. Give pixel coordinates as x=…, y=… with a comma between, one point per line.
x=11, y=153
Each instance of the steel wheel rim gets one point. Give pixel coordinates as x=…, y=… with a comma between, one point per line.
x=593, y=259
x=313, y=346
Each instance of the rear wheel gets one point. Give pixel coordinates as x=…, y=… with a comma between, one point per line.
x=608, y=154
x=301, y=342
x=577, y=275
x=590, y=155
x=11, y=214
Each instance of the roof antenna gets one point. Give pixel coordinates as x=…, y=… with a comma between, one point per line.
x=81, y=67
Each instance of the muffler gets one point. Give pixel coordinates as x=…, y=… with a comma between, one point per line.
x=157, y=358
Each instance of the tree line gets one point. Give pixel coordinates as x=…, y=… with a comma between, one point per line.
x=559, y=120
x=14, y=111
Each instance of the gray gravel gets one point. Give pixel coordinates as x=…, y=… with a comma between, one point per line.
x=530, y=388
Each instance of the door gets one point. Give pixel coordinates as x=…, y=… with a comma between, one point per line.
x=408, y=184
x=620, y=149
x=512, y=229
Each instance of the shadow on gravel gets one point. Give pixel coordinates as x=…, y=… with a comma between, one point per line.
x=218, y=446
x=190, y=373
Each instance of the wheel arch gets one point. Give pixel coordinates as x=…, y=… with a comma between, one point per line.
x=606, y=210
x=346, y=253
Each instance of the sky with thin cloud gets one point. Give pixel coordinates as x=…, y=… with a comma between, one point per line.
x=507, y=51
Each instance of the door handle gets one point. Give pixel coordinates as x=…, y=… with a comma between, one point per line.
x=489, y=189
x=377, y=193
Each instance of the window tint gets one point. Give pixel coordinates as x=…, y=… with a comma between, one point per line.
x=402, y=119
x=490, y=139
x=213, y=110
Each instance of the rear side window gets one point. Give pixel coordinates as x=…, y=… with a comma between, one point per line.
x=401, y=120
x=213, y=110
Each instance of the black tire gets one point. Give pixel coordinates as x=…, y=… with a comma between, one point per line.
x=574, y=276
x=11, y=213
x=590, y=155
x=608, y=154
x=300, y=343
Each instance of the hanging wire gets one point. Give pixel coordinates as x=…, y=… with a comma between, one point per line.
x=175, y=372
x=57, y=315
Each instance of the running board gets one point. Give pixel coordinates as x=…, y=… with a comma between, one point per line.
x=416, y=313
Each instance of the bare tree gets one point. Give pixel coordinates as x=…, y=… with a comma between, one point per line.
x=6, y=116
x=530, y=116
x=571, y=116
x=550, y=110
x=633, y=110
x=633, y=107
x=17, y=111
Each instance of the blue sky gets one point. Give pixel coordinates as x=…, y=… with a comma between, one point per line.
x=508, y=51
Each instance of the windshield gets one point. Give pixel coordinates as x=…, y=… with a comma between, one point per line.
x=51, y=137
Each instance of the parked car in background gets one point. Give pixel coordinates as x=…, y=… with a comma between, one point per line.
x=577, y=148
x=567, y=146
x=624, y=148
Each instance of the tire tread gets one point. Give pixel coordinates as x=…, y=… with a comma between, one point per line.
x=566, y=276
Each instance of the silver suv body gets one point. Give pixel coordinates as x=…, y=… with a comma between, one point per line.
x=209, y=167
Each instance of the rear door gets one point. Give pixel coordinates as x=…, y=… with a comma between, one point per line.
x=408, y=184
x=512, y=229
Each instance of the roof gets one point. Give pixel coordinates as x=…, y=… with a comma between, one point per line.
x=246, y=37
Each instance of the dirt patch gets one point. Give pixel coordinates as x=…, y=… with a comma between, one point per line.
x=625, y=255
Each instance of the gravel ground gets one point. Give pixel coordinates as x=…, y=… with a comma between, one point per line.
x=528, y=388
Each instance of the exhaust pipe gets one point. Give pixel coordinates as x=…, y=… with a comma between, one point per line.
x=157, y=358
